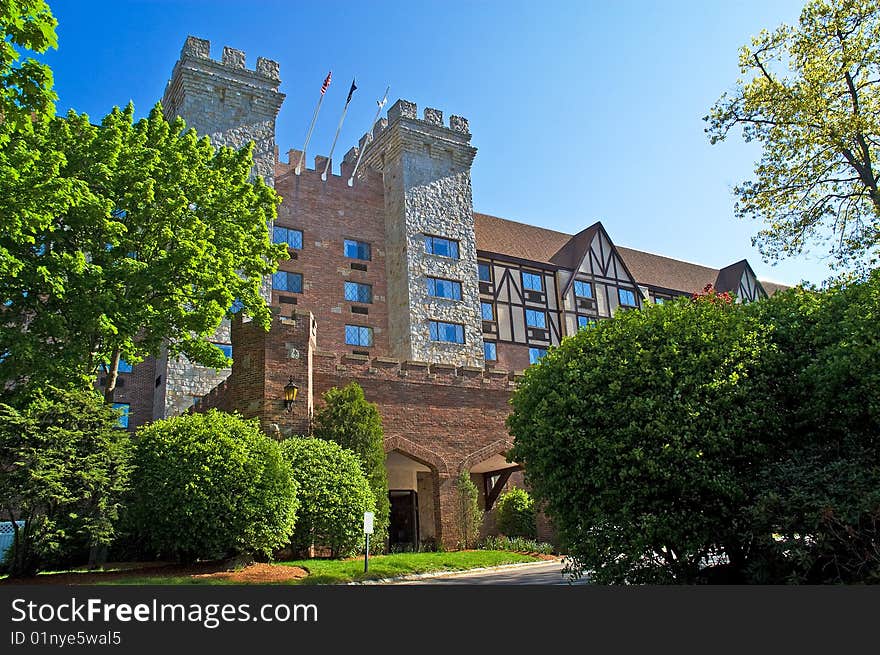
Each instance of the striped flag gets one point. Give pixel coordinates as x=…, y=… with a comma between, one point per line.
x=326, y=83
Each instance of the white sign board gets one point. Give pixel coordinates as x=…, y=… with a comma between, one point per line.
x=368, y=522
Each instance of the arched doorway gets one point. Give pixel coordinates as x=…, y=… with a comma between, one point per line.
x=412, y=495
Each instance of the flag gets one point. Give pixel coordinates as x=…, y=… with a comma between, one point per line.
x=326, y=82
x=382, y=102
x=350, y=91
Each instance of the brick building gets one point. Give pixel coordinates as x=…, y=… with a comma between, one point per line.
x=398, y=283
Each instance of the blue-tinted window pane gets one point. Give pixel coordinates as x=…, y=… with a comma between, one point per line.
x=490, y=351
x=293, y=238
x=357, y=249
x=535, y=354
x=358, y=335
x=583, y=322
x=226, y=348
x=285, y=281
x=357, y=292
x=627, y=297
x=442, y=247
x=535, y=318
x=487, y=311
x=532, y=282
x=583, y=289
x=236, y=306
x=124, y=366
x=485, y=272
x=659, y=301
x=448, y=332
x=440, y=288
x=122, y=421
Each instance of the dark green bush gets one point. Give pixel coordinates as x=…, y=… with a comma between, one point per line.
x=334, y=494
x=211, y=485
x=515, y=514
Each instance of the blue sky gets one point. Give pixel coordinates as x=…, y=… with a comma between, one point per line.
x=581, y=111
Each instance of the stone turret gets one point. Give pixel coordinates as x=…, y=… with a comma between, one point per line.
x=426, y=167
x=227, y=101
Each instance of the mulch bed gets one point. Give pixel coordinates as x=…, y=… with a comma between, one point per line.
x=253, y=574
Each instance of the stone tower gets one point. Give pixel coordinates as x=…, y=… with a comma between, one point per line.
x=426, y=167
x=226, y=101
x=232, y=105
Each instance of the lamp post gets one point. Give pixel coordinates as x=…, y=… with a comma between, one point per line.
x=290, y=391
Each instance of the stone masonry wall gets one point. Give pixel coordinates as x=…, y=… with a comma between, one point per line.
x=426, y=173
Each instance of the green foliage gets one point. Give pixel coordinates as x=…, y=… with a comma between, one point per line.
x=25, y=86
x=334, y=494
x=65, y=467
x=141, y=226
x=517, y=545
x=352, y=422
x=211, y=485
x=467, y=514
x=810, y=94
x=641, y=436
x=821, y=495
x=515, y=514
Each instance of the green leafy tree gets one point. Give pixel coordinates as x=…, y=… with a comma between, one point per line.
x=821, y=496
x=515, y=514
x=64, y=467
x=210, y=485
x=642, y=435
x=467, y=514
x=25, y=85
x=334, y=493
x=354, y=423
x=153, y=238
x=810, y=94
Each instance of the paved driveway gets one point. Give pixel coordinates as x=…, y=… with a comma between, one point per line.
x=541, y=573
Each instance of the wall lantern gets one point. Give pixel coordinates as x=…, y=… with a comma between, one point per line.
x=290, y=391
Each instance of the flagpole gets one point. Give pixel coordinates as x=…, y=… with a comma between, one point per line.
x=361, y=153
x=302, y=155
x=338, y=128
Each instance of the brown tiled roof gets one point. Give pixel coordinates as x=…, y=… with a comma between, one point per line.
x=540, y=245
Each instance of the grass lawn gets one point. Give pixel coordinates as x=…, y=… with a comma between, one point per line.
x=323, y=571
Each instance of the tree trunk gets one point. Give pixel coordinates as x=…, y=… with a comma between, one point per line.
x=112, y=375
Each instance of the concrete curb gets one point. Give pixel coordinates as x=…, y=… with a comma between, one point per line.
x=446, y=574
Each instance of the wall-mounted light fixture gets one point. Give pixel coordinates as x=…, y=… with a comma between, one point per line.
x=290, y=391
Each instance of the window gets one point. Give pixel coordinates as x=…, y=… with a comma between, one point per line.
x=125, y=408
x=357, y=249
x=440, y=288
x=441, y=246
x=659, y=301
x=583, y=322
x=490, y=351
x=485, y=272
x=285, y=281
x=627, y=297
x=293, y=238
x=124, y=366
x=583, y=289
x=536, y=318
x=488, y=311
x=236, y=306
x=226, y=348
x=532, y=281
x=357, y=292
x=357, y=335
x=448, y=332
x=535, y=354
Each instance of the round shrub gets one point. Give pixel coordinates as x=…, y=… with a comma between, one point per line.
x=334, y=494
x=515, y=514
x=211, y=485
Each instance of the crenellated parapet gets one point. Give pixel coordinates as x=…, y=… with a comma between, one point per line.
x=226, y=101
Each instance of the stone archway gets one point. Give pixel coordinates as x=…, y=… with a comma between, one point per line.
x=414, y=475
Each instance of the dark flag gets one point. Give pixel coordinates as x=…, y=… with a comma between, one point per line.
x=350, y=91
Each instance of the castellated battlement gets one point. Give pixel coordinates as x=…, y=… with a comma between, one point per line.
x=232, y=58
x=457, y=129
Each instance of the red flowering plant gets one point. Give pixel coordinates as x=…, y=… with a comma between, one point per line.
x=710, y=294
